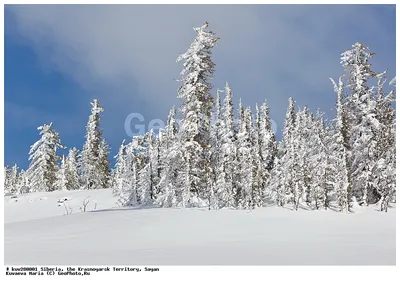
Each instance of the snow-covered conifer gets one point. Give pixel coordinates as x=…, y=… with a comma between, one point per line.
x=11, y=179
x=7, y=178
x=218, y=187
x=104, y=164
x=244, y=192
x=361, y=107
x=226, y=181
x=170, y=163
x=258, y=170
x=341, y=152
x=384, y=172
x=194, y=134
x=125, y=178
x=61, y=175
x=23, y=183
x=277, y=191
x=321, y=164
x=72, y=169
x=44, y=160
x=145, y=187
x=291, y=183
x=94, y=153
x=267, y=143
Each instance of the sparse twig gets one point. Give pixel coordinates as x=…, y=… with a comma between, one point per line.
x=70, y=209
x=85, y=202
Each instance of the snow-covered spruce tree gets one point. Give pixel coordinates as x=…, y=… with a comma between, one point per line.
x=137, y=159
x=23, y=183
x=258, y=170
x=268, y=145
x=225, y=180
x=7, y=179
x=94, y=153
x=146, y=185
x=276, y=191
x=169, y=163
x=156, y=165
x=289, y=158
x=154, y=147
x=299, y=159
x=282, y=182
x=11, y=179
x=384, y=172
x=301, y=169
x=72, y=169
x=244, y=193
x=216, y=131
x=61, y=175
x=218, y=180
x=341, y=152
x=363, y=122
x=119, y=167
x=44, y=160
x=125, y=188
x=105, y=179
x=321, y=164
x=194, y=134
x=138, y=149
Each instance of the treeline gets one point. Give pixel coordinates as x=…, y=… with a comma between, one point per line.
x=221, y=156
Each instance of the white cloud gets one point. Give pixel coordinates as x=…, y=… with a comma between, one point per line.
x=268, y=52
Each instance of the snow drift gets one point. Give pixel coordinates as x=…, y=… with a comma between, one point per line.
x=37, y=232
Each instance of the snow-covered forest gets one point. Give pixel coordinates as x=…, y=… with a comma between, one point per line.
x=215, y=154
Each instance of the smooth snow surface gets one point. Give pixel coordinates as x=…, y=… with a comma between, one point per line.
x=37, y=233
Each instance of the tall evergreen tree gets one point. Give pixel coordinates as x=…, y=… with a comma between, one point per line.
x=282, y=183
x=302, y=167
x=94, y=153
x=198, y=69
x=384, y=172
x=226, y=178
x=72, y=169
x=104, y=164
x=341, y=151
x=363, y=122
x=125, y=177
x=218, y=188
x=258, y=170
x=145, y=188
x=148, y=172
x=44, y=159
x=170, y=163
x=244, y=194
x=321, y=164
x=289, y=158
x=268, y=145
x=277, y=190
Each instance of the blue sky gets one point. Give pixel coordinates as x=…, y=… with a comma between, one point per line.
x=59, y=57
